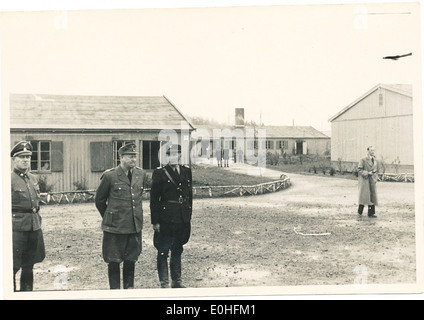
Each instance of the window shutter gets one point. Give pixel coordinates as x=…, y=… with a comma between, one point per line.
x=56, y=156
x=101, y=155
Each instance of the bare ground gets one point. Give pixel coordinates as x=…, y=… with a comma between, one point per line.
x=267, y=240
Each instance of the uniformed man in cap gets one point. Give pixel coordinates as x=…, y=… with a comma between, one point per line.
x=119, y=201
x=171, y=201
x=28, y=242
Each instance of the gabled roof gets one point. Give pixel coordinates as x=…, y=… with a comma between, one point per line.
x=405, y=89
x=294, y=132
x=282, y=132
x=42, y=111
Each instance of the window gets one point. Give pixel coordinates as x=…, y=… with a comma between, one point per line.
x=251, y=144
x=283, y=144
x=117, y=144
x=41, y=155
x=269, y=144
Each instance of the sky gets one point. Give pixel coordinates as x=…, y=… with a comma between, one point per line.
x=284, y=64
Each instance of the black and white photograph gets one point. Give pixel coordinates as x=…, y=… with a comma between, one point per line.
x=211, y=149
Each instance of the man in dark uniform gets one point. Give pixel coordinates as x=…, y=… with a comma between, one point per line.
x=119, y=201
x=171, y=200
x=28, y=242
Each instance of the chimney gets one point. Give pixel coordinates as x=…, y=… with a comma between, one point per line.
x=239, y=119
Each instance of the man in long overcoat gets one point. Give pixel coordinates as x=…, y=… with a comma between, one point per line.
x=367, y=178
x=119, y=201
x=28, y=241
x=171, y=200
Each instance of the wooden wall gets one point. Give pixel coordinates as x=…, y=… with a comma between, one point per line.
x=76, y=154
x=385, y=122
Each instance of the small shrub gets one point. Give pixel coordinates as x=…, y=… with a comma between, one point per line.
x=332, y=171
x=44, y=186
x=396, y=164
x=81, y=185
x=340, y=165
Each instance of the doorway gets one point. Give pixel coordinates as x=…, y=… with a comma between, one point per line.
x=151, y=154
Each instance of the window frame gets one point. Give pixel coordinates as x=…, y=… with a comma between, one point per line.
x=38, y=151
x=115, y=149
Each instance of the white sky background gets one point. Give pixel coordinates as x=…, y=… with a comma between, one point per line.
x=301, y=63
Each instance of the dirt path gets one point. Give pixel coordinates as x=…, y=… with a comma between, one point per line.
x=253, y=241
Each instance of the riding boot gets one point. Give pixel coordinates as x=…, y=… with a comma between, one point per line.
x=175, y=266
x=27, y=280
x=128, y=274
x=162, y=265
x=114, y=275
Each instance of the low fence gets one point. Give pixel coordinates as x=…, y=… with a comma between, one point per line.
x=198, y=192
x=395, y=177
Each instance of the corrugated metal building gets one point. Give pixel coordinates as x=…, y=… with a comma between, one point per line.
x=383, y=118
x=76, y=138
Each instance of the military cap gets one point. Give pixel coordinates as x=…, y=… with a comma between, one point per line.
x=22, y=148
x=129, y=148
x=173, y=148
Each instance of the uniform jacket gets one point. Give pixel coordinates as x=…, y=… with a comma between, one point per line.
x=367, y=183
x=120, y=202
x=169, y=202
x=25, y=201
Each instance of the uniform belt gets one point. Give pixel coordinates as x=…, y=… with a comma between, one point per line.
x=181, y=201
x=33, y=210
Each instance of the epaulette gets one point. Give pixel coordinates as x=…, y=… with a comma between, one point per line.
x=106, y=171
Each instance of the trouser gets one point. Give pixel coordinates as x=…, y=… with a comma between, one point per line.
x=171, y=237
x=371, y=209
x=114, y=274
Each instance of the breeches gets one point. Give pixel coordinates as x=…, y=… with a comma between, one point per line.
x=121, y=247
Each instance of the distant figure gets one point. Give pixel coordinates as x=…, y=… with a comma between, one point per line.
x=226, y=155
x=367, y=177
x=239, y=155
x=218, y=155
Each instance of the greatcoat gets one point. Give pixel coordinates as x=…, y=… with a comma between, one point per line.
x=366, y=182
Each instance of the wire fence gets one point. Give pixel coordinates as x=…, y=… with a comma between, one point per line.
x=83, y=196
